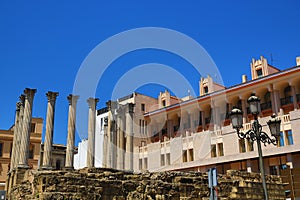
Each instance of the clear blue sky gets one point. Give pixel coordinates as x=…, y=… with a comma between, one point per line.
x=43, y=43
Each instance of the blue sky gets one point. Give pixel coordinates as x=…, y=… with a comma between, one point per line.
x=43, y=44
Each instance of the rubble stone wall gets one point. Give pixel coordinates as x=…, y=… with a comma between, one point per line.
x=107, y=184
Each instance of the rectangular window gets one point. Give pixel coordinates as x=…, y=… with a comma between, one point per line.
x=184, y=156
x=164, y=103
x=191, y=154
x=162, y=159
x=242, y=145
x=31, y=151
x=140, y=125
x=145, y=163
x=259, y=73
x=143, y=107
x=205, y=89
x=1, y=149
x=213, y=151
x=220, y=149
x=289, y=137
x=250, y=145
x=32, y=127
x=11, y=146
x=101, y=124
x=168, y=159
x=280, y=140
x=140, y=164
x=274, y=170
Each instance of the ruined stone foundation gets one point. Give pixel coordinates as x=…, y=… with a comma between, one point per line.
x=109, y=184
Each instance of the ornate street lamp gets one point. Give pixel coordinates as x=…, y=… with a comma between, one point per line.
x=256, y=133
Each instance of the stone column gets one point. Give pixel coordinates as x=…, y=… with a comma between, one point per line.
x=16, y=135
x=49, y=130
x=25, y=137
x=19, y=132
x=105, y=143
x=129, y=137
x=72, y=99
x=120, y=139
x=91, y=132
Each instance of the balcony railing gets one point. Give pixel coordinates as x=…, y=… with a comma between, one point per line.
x=285, y=118
x=286, y=100
x=266, y=105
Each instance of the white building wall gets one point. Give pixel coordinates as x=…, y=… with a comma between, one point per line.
x=80, y=157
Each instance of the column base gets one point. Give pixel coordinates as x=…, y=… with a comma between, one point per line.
x=47, y=168
x=23, y=166
x=68, y=168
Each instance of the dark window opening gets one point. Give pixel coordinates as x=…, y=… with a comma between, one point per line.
x=259, y=73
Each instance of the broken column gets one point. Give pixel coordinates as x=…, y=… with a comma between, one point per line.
x=71, y=131
x=25, y=136
x=129, y=137
x=49, y=130
x=91, y=132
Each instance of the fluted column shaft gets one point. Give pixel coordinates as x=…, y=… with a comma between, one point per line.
x=19, y=135
x=16, y=135
x=108, y=146
x=51, y=96
x=71, y=131
x=25, y=137
x=105, y=143
x=120, y=140
x=91, y=132
x=129, y=137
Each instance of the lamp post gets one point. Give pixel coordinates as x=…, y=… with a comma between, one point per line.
x=256, y=133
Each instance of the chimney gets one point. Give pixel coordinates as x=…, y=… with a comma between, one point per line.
x=298, y=60
x=244, y=78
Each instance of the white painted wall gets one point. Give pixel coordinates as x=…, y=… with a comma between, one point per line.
x=80, y=157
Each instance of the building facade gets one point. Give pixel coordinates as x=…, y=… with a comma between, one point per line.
x=6, y=143
x=194, y=134
x=197, y=134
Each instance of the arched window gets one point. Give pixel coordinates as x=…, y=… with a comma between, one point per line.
x=267, y=97
x=287, y=91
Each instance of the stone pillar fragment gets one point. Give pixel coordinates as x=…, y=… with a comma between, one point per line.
x=51, y=96
x=25, y=136
x=72, y=99
x=129, y=137
x=91, y=132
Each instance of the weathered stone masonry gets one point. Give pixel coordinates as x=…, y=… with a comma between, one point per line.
x=106, y=184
